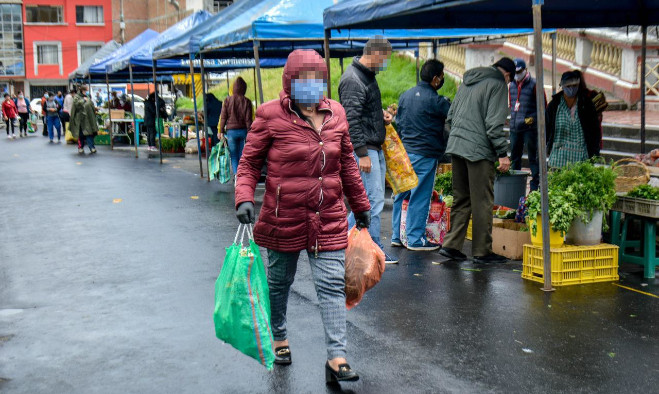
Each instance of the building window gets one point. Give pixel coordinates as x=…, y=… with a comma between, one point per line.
x=87, y=51
x=43, y=14
x=11, y=40
x=219, y=5
x=88, y=14
x=47, y=54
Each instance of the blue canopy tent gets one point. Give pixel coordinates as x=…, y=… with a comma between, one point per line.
x=83, y=70
x=505, y=13
x=276, y=27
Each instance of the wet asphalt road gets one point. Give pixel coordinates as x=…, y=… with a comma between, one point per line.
x=107, y=272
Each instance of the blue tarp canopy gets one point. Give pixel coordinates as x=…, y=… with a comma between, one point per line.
x=283, y=25
x=396, y=14
x=106, y=50
x=188, y=42
x=131, y=46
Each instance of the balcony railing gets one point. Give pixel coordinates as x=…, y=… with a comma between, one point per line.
x=454, y=58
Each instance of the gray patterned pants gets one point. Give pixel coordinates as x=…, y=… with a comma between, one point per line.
x=328, y=273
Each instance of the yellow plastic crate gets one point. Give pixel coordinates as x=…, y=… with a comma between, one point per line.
x=573, y=265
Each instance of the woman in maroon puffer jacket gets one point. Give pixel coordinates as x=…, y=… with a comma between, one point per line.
x=304, y=137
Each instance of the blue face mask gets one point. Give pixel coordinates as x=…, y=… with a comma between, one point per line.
x=308, y=91
x=571, y=91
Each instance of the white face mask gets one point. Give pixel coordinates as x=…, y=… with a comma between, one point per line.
x=20, y=96
x=520, y=76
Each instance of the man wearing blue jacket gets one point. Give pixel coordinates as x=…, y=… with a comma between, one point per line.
x=421, y=117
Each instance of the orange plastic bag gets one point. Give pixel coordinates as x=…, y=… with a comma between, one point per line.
x=364, y=265
x=400, y=173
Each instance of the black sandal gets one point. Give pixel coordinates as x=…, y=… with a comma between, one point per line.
x=283, y=355
x=344, y=374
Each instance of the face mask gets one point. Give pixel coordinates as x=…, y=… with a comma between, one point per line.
x=45, y=95
x=571, y=91
x=519, y=77
x=20, y=96
x=308, y=91
x=384, y=65
x=441, y=83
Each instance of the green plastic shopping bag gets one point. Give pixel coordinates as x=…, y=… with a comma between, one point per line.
x=214, y=162
x=242, y=303
x=224, y=162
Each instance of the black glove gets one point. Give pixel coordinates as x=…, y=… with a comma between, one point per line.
x=245, y=213
x=363, y=219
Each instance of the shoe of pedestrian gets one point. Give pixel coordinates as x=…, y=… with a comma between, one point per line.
x=491, y=258
x=452, y=254
x=50, y=142
x=8, y=136
x=283, y=355
x=81, y=151
x=424, y=246
x=13, y=136
x=396, y=243
x=344, y=374
x=389, y=260
x=92, y=151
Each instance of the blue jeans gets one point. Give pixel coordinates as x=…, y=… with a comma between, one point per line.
x=53, y=121
x=419, y=202
x=374, y=185
x=236, y=140
x=328, y=272
x=517, y=141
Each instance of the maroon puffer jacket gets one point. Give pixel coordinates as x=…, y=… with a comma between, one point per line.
x=308, y=172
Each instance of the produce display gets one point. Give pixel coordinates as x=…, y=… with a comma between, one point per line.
x=173, y=145
x=651, y=159
x=444, y=184
x=644, y=191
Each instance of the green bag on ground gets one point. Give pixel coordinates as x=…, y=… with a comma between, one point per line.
x=214, y=162
x=224, y=162
x=242, y=303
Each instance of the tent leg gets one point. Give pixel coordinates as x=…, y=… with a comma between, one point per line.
x=553, y=63
x=256, y=89
x=542, y=152
x=644, y=55
x=228, y=88
x=206, y=127
x=155, y=89
x=327, y=62
x=258, y=70
x=416, y=55
x=136, y=133
x=196, y=120
x=107, y=84
x=341, y=64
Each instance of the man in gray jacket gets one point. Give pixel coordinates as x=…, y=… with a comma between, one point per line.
x=360, y=96
x=476, y=142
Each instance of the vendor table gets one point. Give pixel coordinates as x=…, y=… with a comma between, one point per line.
x=648, y=257
x=115, y=130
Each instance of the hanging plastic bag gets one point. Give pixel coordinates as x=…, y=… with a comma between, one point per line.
x=364, y=265
x=242, y=303
x=30, y=128
x=214, y=162
x=437, y=225
x=224, y=162
x=400, y=173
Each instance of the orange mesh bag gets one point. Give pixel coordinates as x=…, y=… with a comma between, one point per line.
x=400, y=173
x=364, y=265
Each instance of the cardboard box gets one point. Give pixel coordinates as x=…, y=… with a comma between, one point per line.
x=508, y=240
x=117, y=113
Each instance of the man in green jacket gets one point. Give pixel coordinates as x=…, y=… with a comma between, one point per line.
x=83, y=120
x=476, y=141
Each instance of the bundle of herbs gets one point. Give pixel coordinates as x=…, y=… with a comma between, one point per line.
x=644, y=191
x=173, y=145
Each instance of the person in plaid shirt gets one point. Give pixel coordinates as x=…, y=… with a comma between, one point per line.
x=572, y=124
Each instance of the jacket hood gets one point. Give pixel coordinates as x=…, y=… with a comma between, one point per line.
x=239, y=87
x=478, y=74
x=298, y=61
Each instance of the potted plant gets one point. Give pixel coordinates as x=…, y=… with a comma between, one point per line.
x=594, y=188
x=562, y=212
x=173, y=146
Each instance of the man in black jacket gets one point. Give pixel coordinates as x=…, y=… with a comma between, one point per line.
x=360, y=96
x=150, y=118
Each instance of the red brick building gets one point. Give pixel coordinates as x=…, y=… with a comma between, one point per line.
x=58, y=36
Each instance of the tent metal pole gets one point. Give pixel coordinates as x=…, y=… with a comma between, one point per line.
x=206, y=127
x=434, y=49
x=196, y=121
x=136, y=133
x=341, y=64
x=553, y=63
x=256, y=90
x=258, y=70
x=542, y=152
x=228, y=88
x=155, y=90
x=327, y=62
x=107, y=84
x=644, y=55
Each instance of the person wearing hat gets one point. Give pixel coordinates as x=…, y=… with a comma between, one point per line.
x=573, y=133
x=524, y=121
x=476, y=141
